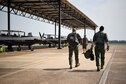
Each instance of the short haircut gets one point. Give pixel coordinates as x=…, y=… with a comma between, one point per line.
x=102, y=28
x=73, y=29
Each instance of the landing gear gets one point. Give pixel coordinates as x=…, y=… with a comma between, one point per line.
x=9, y=48
x=30, y=47
x=19, y=48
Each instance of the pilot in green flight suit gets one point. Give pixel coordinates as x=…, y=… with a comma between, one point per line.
x=99, y=39
x=73, y=40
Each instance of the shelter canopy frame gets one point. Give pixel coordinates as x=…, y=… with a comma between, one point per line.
x=59, y=11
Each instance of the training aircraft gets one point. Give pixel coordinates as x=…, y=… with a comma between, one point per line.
x=53, y=39
x=18, y=38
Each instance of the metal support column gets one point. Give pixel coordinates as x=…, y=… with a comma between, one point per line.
x=55, y=29
x=94, y=29
x=8, y=10
x=8, y=14
x=59, y=35
x=84, y=26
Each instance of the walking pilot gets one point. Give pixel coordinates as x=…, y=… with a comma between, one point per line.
x=99, y=39
x=73, y=40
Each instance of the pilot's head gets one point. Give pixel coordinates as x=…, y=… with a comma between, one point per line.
x=101, y=28
x=73, y=30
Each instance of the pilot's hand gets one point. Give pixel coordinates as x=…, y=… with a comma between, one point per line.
x=107, y=48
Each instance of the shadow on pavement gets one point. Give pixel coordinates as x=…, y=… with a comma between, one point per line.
x=55, y=69
x=84, y=70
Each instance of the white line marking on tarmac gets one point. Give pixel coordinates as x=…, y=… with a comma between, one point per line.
x=105, y=73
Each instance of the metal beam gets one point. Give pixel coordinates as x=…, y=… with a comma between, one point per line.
x=59, y=35
x=8, y=10
x=84, y=26
x=55, y=28
x=52, y=1
x=94, y=29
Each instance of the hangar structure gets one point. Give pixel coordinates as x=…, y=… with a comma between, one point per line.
x=60, y=12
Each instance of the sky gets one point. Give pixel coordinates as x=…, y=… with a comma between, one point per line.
x=108, y=13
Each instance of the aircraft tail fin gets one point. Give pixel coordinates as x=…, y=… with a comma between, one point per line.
x=41, y=36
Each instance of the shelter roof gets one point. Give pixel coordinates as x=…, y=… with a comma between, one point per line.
x=48, y=10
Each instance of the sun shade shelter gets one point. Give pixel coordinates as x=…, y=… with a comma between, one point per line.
x=53, y=11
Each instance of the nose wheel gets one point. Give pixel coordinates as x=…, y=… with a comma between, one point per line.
x=30, y=47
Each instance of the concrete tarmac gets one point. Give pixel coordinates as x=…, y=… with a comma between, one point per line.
x=50, y=66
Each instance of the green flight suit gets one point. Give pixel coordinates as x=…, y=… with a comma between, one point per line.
x=100, y=39
x=73, y=46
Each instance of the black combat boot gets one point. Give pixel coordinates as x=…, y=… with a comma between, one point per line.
x=78, y=64
x=98, y=69
x=70, y=66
